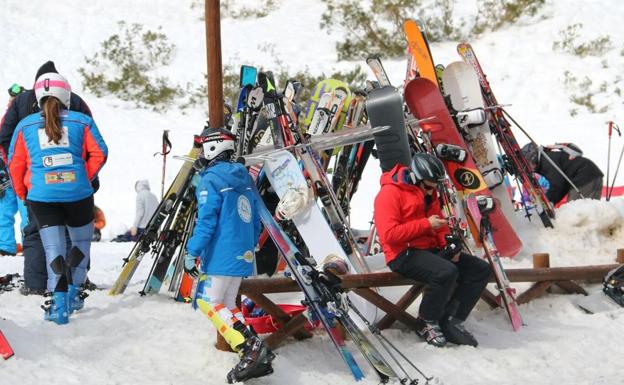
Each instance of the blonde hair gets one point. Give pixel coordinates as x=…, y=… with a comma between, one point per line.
x=52, y=114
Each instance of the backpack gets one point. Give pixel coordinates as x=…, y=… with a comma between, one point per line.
x=571, y=149
x=613, y=285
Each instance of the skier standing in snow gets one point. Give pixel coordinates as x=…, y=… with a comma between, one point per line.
x=224, y=238
x=24, y=104
x=417, y=244
x=53, y=158
x=9, y=204
x=584, y=173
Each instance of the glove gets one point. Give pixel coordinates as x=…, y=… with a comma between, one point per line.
x=453, y=247
x=95, y=183
x=190, y=265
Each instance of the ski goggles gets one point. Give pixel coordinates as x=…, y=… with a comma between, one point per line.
x=15, y=90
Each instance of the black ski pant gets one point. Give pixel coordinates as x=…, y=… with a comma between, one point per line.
x=458, y=284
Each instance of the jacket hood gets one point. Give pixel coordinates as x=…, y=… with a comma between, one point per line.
x=234, y=175
x=141, y=184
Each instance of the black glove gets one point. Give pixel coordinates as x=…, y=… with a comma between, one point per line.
x=453, y=247
x=95, y=183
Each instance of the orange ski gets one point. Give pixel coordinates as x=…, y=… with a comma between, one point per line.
x=419, y=49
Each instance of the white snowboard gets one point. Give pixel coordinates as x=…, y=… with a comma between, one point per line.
x=462, y=84
x=284, y=172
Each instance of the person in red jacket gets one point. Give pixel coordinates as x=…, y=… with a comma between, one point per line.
x=418, y=244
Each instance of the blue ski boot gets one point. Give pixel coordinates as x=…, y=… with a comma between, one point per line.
x=75, y=298
x=56, y=308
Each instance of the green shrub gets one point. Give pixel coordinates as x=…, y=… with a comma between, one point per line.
x=124, y=68
x=494, y=14
x=569, y=42
x=235, y=10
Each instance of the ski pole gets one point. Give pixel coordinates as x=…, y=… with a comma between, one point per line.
x=166, y=148
x=612, y=125
x=617, y=168
x=542, y=152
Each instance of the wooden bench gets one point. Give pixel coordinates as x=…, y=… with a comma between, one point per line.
x=543, y=277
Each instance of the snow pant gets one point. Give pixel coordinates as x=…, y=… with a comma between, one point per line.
x=450, y=286
x=54, y=219
x=591, y=190
x=9, y=206
x=216, y=297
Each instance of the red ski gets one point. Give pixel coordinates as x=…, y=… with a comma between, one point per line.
x=424, y=100
x=479, y=209
x=6, y=351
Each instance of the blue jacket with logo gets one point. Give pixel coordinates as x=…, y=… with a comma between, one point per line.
x=44, y=171
x=228, y=224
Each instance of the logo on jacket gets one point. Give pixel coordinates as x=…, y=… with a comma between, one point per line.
x=247, y=257
x=244, y=209
x=45, y=143
x=60, y=177
x=57, y=160
x=467, y=178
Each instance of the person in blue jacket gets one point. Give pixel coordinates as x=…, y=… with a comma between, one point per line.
x=24, y=104
x=224, y=239
x=53, y=158
x=9, y=204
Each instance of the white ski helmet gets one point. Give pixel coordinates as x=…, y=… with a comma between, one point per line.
x=216, y=141
x=52, y=84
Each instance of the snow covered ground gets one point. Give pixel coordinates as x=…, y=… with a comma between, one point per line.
x=137, y=340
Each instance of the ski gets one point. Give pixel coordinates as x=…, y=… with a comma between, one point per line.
x=6, y=351
x=479, y=208
x=419, y=48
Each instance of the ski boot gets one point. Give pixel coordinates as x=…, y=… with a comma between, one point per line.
x=75, y=298
x=56, y=307
x=454, y=331
x=255, y=361
x=430, y=331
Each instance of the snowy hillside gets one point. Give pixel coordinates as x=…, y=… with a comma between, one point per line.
x=137, y=340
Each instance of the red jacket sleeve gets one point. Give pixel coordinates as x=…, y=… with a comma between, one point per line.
x=95, y=154
x=391, y=227
x=18, y=167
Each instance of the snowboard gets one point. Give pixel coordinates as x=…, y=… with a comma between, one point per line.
x=506, y=294
x=384, y=107
x=515, y=160
x=462, y=85
x=324, y=87
x=322, y=300
x=425, y=101
x=419, y=48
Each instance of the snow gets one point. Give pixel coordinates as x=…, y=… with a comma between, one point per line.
x=152, y=340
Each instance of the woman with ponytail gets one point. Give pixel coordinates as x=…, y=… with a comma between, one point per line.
x=54, y=156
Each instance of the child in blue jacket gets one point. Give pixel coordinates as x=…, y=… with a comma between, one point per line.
x=224, y=238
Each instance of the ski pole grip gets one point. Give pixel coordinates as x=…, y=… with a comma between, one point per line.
x=541, y=260
x=610, y=127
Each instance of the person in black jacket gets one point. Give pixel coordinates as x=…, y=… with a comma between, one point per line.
x=584, y=173
x=24, y=104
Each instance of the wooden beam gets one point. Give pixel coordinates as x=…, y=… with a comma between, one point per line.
x=214, y=66
x=404, y=302
x=535, y=291
x=387, y=306
x=295, y=325
x=277, y=313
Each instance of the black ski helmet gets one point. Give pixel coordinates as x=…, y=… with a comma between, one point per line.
x=216, y=141
x=531, y=153
x=427, y=167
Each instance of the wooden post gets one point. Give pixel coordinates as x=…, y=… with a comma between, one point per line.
x=620, y=256
x=213, y=58
x=541, y=260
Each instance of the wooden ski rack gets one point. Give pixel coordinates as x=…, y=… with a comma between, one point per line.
x=542, y=275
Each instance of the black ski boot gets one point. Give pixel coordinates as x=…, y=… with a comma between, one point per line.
x=430, y=331
x=453, y=329
x=255, y=361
